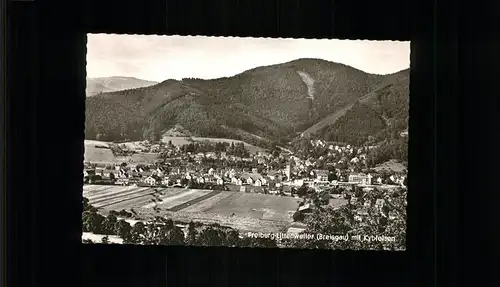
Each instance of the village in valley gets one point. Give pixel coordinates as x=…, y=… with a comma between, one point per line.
x=255, y=142
x=263, y=172
x=224, y=184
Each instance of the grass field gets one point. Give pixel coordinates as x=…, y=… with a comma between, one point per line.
x=98, y=155
x=105, y=156
x=259, y=206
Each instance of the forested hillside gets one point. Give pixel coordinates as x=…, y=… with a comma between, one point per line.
x=376, y=117
x=262, y=105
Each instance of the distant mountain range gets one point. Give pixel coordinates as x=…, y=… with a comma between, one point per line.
x=112, y=84
x=271, y=104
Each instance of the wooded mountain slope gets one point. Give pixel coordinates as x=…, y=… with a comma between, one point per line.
x=272, y=103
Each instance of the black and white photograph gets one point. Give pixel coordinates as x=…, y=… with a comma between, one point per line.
x=246, y=142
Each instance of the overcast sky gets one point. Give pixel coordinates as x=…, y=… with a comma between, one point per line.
x=158, y=58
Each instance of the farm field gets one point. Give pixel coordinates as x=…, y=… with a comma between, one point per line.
x=100, y=194
x=207, y=203
x=245, y=211
x=260, y=206
x=91, y=190
x=122, y=197
x=179, y=198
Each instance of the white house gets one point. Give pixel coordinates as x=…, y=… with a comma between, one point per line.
x=249, y=180
x=122, y=181
x=380, y=203
x=321, y=174
x=257, y=182
x=402, y=180
x=360, y=178
x=165, y=181
x=305, y=207
x=159, y=172
x=151, y=180
x=211, y=171
x=220, y=181
x=264, y=181
x=298, y=182
x=107, y=173
x=232, y=173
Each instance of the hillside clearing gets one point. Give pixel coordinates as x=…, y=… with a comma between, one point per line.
x=391, y=165
x=187, y=140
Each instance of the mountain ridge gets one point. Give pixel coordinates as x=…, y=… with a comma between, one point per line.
x=114, y=83
x=274, y=102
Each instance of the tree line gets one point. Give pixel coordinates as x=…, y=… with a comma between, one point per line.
x=235, y=149
x=163, y=231
x=388, y=220
x=390, y=149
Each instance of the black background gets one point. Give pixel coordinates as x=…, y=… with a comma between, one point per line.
x=451, y=144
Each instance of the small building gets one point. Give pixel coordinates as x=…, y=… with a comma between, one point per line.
x=257, y=182
x=88, y=172
x=304, y=208
x=360, y=178
x=109, y=173
x=152, y=180
x=166, y=182
x=321, y=174
x=122, y=181
x=380, y=203
x=220, y=181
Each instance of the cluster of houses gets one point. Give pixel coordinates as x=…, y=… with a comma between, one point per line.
x=252, y=179
x=292, y=172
